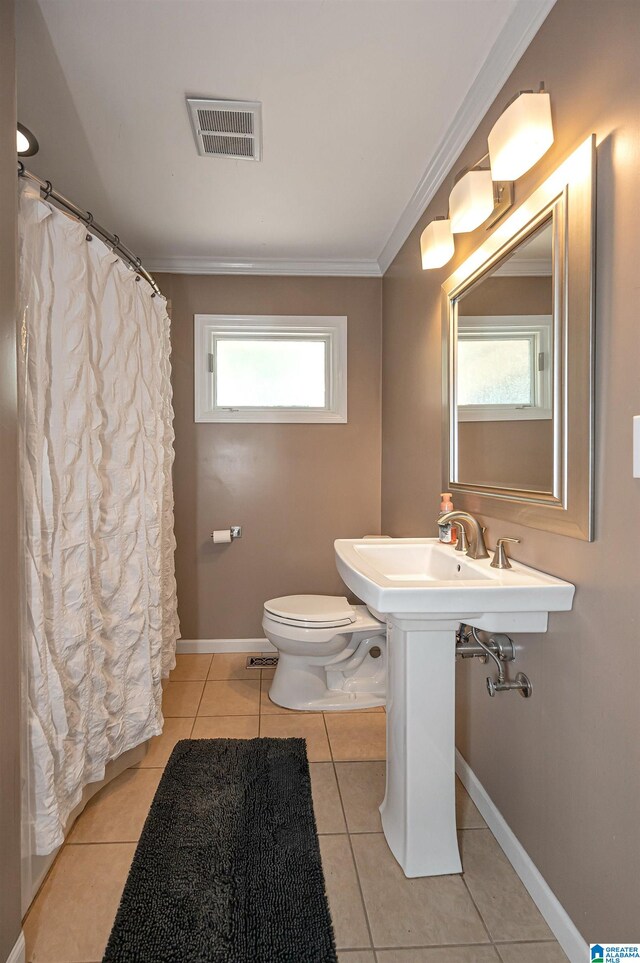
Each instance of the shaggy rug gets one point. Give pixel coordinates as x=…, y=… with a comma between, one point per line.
x=228, y=867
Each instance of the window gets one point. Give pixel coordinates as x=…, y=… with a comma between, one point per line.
x=504, y=368
x=270, y=369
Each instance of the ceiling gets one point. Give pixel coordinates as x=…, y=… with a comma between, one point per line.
x=365, y=107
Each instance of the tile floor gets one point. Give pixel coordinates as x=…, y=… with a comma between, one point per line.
x=483, y=916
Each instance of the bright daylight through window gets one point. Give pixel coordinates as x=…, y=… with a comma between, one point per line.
x=277, y=373
x=270, y=369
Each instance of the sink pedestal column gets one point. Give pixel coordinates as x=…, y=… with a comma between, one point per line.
x=418, y=812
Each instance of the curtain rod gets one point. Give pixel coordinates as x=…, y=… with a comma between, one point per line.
x=112, y=240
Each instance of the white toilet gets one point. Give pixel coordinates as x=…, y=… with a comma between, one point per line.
x=332, y=655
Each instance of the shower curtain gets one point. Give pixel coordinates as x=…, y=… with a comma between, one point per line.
x=96, y=446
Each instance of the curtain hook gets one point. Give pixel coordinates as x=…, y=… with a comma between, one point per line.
x=20, y=168
x=47, y=189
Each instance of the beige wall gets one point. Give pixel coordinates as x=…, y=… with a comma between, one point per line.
x=9, y=680
x=515, y=295
x=564, y=767
x=513, y=454
x=293, y=488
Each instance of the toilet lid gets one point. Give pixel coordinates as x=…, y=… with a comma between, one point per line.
x=318, y=610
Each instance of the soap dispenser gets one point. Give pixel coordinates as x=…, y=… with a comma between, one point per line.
x=447, y=533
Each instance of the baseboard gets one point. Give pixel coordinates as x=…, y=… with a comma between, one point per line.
x=223, y=645
x=556, y=917
x=19, y=952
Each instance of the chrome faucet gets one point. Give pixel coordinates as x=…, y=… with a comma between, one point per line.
x=477, y=548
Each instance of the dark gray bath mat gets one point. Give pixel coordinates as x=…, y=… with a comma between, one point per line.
x=228, y=868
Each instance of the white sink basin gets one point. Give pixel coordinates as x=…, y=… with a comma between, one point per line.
x=426, y=578
x=424, y=589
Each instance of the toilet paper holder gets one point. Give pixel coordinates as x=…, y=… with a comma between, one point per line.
x=235, y=531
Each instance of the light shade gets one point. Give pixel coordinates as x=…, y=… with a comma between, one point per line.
x=26, y=143
x=471, y=201
x=436, y=244
x=520, y=136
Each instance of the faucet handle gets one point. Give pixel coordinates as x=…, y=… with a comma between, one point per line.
x=500, y=558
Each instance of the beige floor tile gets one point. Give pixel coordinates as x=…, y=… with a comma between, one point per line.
x=161, y=747
x=506, y=907
x=303, y=725
x=356, y=956
x=191, y=667
x=357, y=735
x=117, y=813
x=531, y=953
x=233, y=697
x=412, y=912
x=449, y=954
x=226, y=727
x=267, y=707
x=362, y=786
x=232, y=665
x=343, y=893
x=268, y=673
x=72, y=916
x=182, y=698
x=467, y=816
x=326, y=798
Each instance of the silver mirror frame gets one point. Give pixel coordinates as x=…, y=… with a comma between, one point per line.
x=568, y=195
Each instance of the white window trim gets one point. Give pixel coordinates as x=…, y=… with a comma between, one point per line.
x=331, y=329
x=538, y=326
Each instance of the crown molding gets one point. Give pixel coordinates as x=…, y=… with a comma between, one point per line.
x=525, y=267
x=19, y=952
x=327, y=267
x=522, y=25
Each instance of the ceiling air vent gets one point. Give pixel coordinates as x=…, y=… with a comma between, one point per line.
x=227, y=128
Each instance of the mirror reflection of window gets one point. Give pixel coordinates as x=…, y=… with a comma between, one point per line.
x=504, y=371
x=495, y=371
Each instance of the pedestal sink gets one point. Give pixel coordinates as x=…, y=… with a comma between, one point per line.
x=424, y=589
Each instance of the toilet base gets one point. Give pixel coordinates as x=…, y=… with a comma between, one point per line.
x=332, y=702
x=304, y=687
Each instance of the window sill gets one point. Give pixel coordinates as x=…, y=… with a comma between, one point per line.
x=267, y=416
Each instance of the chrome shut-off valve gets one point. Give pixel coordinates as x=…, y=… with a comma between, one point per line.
x=499, y=649
x=521, y=683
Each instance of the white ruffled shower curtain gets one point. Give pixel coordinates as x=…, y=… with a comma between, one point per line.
x=100, y=615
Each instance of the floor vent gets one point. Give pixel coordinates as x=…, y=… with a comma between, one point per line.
x=262, y=661
x=227, y=128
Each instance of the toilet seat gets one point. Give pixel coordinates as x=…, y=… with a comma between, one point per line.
x=311, y=611
x=323, y=636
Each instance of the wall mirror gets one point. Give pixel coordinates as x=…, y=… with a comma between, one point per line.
x=518, y=361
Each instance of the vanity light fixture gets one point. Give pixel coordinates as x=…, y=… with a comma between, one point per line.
x=518, y=139
x=471, y=201
x=436, y=243
x=521, y=135
x=26, y=143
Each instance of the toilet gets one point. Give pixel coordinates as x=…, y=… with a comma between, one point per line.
x=332, y=655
